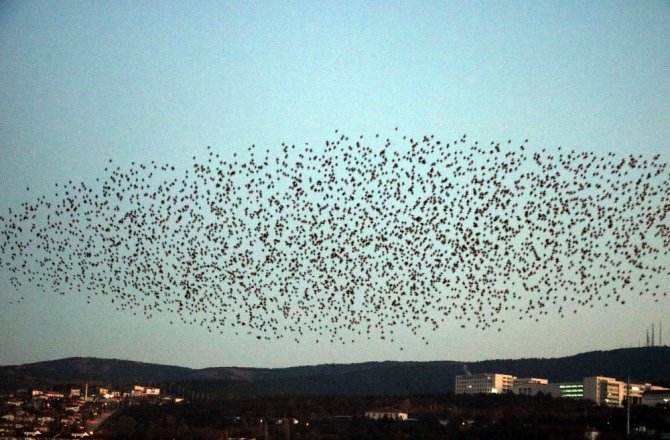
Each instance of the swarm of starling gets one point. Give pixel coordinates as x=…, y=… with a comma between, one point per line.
x=354, y=238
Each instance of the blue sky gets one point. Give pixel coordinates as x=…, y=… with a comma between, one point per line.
x=82, y=82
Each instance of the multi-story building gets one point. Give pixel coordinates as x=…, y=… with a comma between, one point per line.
x=530, y=380
x=534, y=386
x=636, y=391
x=484, y=383
x=529, y=386
x=600, y=389
x=568, y=390
x=604, y=390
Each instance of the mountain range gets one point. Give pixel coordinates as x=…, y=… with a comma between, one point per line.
x=645, y=364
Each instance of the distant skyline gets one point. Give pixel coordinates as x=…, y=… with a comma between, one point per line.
x=83, y=82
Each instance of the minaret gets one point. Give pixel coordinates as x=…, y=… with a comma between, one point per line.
x=286, y=428
x=628, y=407
x=647, y=338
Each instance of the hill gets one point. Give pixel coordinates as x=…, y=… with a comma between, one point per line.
x=647, y=364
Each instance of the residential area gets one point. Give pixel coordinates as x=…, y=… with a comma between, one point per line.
x=70, y=413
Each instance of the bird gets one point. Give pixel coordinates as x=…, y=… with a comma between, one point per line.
x=353, y=239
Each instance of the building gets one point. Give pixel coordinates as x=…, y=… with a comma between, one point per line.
x=534, y=386
x=530, y=380
x=484, y=383
x=636, y=391
x=568, y=390
x=600, y=389
x=530, y=386
x=656, y=398
x=386, y=413
x=152, y=391
x=604, y=390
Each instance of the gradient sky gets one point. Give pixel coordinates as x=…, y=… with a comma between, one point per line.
x=82, y=82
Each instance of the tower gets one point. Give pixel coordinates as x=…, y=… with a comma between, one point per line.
x=652, y=334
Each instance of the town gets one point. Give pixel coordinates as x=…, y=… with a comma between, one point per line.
x=114, y=412
x=74, y=413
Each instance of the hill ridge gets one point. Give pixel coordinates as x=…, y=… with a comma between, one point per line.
x=646, y=364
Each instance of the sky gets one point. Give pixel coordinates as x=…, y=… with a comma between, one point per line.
x=83, y=82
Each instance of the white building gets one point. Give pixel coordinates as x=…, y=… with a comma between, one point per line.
x=567, y=390
x=600, y=389
x=604, y=390
x=484, y=383
x=531, y=386
x=530, y=380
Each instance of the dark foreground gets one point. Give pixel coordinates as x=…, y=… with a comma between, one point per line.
x=339, y=418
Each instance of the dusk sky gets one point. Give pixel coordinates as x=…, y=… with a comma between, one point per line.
x=85, y=82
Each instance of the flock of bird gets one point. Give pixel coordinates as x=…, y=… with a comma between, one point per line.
x=353, y=238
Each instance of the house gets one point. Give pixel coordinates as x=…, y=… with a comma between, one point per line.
x=591, y=434
x=67, y=420
x=386, y=413
x=150, y=391
x=44, y=420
